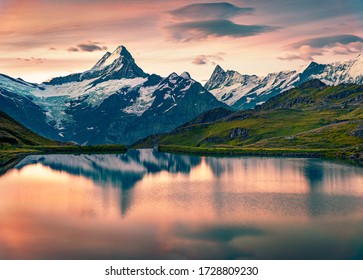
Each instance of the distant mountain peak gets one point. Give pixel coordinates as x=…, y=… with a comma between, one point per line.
x=112, y=66
x=185, y=75
x=173, y=76
x=218, y=69
x=122, y=51
x=119, y=49
x=312, y=64
x=119, y=54
x=218, y=77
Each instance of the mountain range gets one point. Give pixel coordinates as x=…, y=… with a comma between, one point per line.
x=117, y=102
x=313, y=117
x=113, y=102
x=246, y=91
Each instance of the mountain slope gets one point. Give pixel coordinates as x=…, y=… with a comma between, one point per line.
x=207, y=117
x=311, y=116
x=13, y=133
x=113, y=102
x=247, y=91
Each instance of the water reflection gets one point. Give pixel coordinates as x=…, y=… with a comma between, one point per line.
x=121, y=171
x=314, y=173
x=149, y=205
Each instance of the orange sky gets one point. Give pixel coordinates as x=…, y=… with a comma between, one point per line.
x=41, y=39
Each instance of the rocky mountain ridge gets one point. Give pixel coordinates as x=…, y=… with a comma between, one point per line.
x=113, y=102
x=246, y=91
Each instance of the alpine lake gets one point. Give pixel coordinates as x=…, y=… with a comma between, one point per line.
x=150, y=205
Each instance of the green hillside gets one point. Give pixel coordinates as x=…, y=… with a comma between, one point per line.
x=313, y=117
x=13, y=133
x=16, y=140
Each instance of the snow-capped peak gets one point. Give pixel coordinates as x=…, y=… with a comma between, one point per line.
x=173, y=76
x=357, y=68
x=109, y=58
x=217, y=78
x=119, y=49
x=246, y=91
x=218, y=69
x=185, y=75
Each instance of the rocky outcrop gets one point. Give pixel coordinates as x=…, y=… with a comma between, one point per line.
x=240, y=133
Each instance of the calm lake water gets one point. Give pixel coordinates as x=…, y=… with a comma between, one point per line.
x=148, y=205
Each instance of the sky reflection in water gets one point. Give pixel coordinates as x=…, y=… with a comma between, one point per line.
x=147, y=205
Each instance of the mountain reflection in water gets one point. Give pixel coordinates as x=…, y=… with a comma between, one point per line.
x=150, y=205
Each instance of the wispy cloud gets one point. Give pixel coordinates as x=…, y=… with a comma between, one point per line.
x=188, y=26
x=87, y=47
x=338, y=44
x=73, y=49
x=221, y=10
x=328, y=41
x=34, y=60
x=198, y=30
x=306, y=53
x=208, y=59
x=351, y=48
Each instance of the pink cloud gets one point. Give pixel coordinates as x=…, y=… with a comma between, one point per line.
x=306, y=53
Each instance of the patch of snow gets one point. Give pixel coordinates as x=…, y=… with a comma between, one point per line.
x=187, y=87
x=21, y=87
x=114, y=56
x=357, y=68
x=171, y=107
x=101, y=91
x=143, y=102
x=185, y=75
x=173, y=77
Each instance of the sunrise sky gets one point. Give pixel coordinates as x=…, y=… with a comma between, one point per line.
x=41, y=39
